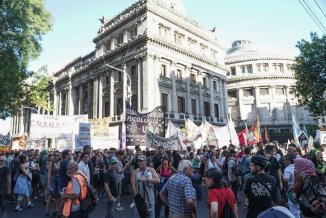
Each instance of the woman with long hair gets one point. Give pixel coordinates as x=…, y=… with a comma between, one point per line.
x=53, y=183
x=22, y=187
x=218, y=193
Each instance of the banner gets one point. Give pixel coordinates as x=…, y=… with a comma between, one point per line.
x=123, y=137
x=40, y=144
x=5, y=139
x=298, y=134
x=233, y=134
x=172, y=130
x=99, y=127
x=64, y=141
x=322, y=137
x=18, y=143
x=191, y=128
x=211, y=138
x=84, y=136
x=137, y=125
x=106, y=142
x=221, y=132
x=53, y=126
x=154, y=141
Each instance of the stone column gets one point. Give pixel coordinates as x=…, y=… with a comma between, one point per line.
x=257, y=94
x=174, y=102
x=188, y=96
x=254, y=68
x=272, y=101
x=139, y=84
x=95, y=97
x=238, y=71
x=201, y=102
x=211, y=96
x=89, y=99
x=240, y=96
x=156, y=76
x=81, y=99
x=288, y=106
x=55, y=101
x=112, y=103
x=221, y=94
x=145, y=81
x=60, y=104
x=225, y=105
x=100, y=96
x=70, y=99
x=124, y=89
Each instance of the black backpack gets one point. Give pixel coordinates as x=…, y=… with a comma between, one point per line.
x=227, y=210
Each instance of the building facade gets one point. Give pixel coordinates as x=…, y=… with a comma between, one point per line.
x=169, y=60
x=259, y=85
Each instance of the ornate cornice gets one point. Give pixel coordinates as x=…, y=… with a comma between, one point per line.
x=253, y=78
x=183, y=51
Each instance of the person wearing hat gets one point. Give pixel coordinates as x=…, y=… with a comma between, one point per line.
x=260, y=189
x=110, y=186
x=143, y=180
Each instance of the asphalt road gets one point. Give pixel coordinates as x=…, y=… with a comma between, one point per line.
x=39, y=209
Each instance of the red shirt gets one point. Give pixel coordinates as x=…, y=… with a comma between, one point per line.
x=219, y=195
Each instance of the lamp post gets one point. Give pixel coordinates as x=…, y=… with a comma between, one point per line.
x=125, y=92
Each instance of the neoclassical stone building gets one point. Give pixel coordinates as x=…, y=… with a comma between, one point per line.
x=169, y=60
x=259, y=84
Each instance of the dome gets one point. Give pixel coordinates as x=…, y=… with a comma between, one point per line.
x=245, y=50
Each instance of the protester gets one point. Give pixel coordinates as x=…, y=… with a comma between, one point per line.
x=143, y=180
x=259, y=189
x=53, y=183
x=5, y=182
x=76, y=190
x=22, y=187
x=218, y=194
x=179, y=193
x=110, y=187
x=64, y=178
x=83, y=165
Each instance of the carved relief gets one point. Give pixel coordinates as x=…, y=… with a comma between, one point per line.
x=180, y=85
x=165, y=82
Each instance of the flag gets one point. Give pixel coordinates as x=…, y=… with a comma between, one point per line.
x=233, y=134
x=211, y=138
x=242, y=137
x=123, y=136
x=296, y=131
x=266, y=135
x=255, y=129
x=250, y=136
x=191, y=128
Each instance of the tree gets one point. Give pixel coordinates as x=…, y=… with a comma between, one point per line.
x=38, y=94
x=22, y=25
x=310, y=74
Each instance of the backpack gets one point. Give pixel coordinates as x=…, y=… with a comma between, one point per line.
x=313, y=195
x=227, y=210
x=89, y=202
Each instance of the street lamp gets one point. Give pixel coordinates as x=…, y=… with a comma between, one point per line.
x=126, y=93
x=31, y=108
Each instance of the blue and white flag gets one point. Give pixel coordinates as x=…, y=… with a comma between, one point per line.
x=297, y=132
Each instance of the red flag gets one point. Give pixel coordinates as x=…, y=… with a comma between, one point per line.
x=242, y=137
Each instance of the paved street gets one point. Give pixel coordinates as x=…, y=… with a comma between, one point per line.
x=39, y=210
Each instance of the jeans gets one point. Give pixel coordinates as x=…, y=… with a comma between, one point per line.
x=109, y=209
x=235, y=187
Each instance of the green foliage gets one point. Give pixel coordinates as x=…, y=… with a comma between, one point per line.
x=22, y=24
x=38, y=94
x=310, y=74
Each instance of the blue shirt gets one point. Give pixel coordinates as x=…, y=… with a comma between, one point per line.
x=178, y=188
x=64, y=178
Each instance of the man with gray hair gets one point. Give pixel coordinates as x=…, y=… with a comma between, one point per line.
x=179, y=194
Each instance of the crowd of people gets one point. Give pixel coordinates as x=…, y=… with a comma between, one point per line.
x=267, y=178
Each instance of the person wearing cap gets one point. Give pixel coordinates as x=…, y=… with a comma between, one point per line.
x=143, y=180
x=110, y=187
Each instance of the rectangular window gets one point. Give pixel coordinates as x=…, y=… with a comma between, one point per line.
x=133, y=72
x=249, y=68
x=232, y=94
x=163, y=70
x=119, y=106
x=264, y=91
x=279, y=91
x=133, y=32
x=217, y=111
x=120, y=39
x=215, y=85
x=194, y=106
x=107, y=109
x=233, y=71
x=178, y=38
x=165, y=101
x=179, y=74
x=181, y=105
x=193, y=77
x=205, y=82
x=248, y=92
x=206, y=109
x=107, y=80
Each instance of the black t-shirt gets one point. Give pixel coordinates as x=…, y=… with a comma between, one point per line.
x=260, y=191
x=4, y=172
x=157, y=160
x=273, y=167
x=64, y=178
x=109, y=178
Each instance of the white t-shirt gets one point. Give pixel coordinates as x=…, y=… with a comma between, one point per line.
x=289, y=175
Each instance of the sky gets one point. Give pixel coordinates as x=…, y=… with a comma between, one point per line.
x=273, y=25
